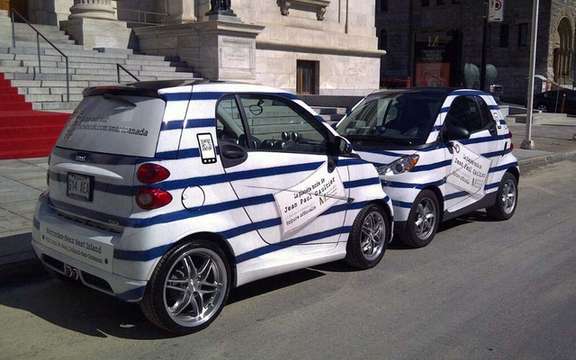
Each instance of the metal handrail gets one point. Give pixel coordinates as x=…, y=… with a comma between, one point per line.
x=143, y=17
x=120, y=67
x=38, y=36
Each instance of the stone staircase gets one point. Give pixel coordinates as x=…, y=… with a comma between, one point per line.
x=46, y=89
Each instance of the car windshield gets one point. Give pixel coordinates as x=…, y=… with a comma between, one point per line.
x=405, y=119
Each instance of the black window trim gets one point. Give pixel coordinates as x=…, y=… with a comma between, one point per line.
x=490, y=123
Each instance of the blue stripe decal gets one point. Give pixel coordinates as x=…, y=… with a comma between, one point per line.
x=503, y=122
x=503, y=167
x=172, y=125
x=468, y=93
x=437, y=165
x=464, y=193
x=177, y=96
x=402, y=204
x=296, y=241
x=402, y=185
x=200, y=123
x=362, y=182
x=147, y=255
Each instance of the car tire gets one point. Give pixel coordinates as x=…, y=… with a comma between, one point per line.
x=369, y=237
x=506, y=199
x=189, y=288
x=423, y=221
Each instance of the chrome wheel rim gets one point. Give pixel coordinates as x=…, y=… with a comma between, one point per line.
x=508, y=196
x=195, y=287
x=373, y=237
x=425, y=221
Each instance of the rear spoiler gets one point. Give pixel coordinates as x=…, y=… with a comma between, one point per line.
x=120, y=90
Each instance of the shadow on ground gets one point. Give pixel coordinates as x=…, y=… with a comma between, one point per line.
x=80, y=309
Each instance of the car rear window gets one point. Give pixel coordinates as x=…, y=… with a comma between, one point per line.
x=115, y=124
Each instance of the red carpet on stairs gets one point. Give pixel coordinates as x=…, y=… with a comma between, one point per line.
x=25, y=133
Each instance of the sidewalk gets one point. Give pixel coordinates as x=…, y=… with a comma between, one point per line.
x=22, y=181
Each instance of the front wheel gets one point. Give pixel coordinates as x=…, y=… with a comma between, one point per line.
x=506, y=200
x=369, y=237
x=188, y=288
x=423, y=221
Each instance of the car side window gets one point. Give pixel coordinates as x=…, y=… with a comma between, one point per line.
x=465, y=113
x=488, y=122
x=276, y=125
x=229, y=127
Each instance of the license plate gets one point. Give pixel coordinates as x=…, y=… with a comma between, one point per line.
x=71, y=272
x=80, y=187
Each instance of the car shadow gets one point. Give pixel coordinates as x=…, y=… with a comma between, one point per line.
x=77, y=308
x=476, y=216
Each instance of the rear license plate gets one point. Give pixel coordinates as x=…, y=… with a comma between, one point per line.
x=80, y=187
x=71, y=272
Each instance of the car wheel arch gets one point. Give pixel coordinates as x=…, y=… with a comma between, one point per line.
x=219, y=240
x=440, y=197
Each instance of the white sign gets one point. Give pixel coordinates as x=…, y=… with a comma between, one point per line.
x=469, y=170
x=89, y=251
x=496, y=11
x=306, y=201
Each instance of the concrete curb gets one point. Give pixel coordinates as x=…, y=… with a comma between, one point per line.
x=22, y=262
x=527, y=165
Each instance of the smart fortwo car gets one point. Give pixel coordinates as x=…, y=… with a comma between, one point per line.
x=440, y=153
x=170, y=194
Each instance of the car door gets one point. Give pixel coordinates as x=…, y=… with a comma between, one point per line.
x=275, y=152
x=471, y=113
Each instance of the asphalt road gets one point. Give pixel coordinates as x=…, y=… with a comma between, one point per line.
x=481, y=290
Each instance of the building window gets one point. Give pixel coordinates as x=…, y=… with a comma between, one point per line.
x=523, y=35
x=425, y=3
x=504, y=35
x=307, y=77
x=382, y=40
x=383, y=6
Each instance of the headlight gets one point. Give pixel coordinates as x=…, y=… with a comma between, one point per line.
x=400, y=166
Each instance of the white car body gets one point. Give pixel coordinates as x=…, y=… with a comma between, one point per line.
x=436, y=159
x=116, y=246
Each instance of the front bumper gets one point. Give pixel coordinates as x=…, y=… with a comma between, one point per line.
x=58, y=242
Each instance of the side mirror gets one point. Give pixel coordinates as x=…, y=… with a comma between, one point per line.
x=344, y=146
x=453, y=132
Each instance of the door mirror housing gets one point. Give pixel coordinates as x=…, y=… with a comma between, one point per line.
x=344, y=146
x=454, y=132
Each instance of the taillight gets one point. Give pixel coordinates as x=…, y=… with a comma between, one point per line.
x=152, y=173
x=149, y=199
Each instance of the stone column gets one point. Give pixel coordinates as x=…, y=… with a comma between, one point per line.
x=93, y=9
x=94, y=24
x=181, y=11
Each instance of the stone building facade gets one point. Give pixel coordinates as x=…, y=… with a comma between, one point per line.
x=439, y=42
x=312, y=46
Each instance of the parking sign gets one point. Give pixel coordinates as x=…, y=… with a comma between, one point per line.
x=496, y=11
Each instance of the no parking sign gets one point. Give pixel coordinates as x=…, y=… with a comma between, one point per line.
x=496, y=11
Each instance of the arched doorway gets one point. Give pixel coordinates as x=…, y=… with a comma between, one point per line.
x=563, y=55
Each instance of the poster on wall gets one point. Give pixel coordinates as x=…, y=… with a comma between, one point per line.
x=496, y=11
x=433, y=74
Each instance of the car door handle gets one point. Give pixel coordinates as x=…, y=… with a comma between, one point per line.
x=233, y=152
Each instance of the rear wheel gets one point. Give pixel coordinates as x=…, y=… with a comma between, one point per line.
x=369, y=237
x=507, y=199
x=188, y=288
x=423, y=221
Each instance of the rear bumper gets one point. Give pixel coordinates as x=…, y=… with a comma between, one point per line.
x=58, y=242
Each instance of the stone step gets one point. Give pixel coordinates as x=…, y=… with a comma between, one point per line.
x=45, y=45
x=55, y=105
x=44, y=98
x=57, y=40
x=40, y=27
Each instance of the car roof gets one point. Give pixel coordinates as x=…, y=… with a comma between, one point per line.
x=438, y=91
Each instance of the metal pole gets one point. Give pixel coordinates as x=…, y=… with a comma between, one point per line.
x=38, y=49
x=13, y=30
x=528, y=143
x=67, y=80
x=484, y=50
x=118, y=72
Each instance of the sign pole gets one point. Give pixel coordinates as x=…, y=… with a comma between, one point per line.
x=484, y=52
x=528, y=143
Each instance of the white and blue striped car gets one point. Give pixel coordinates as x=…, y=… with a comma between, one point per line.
x=440, y=153
x=170, y=194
